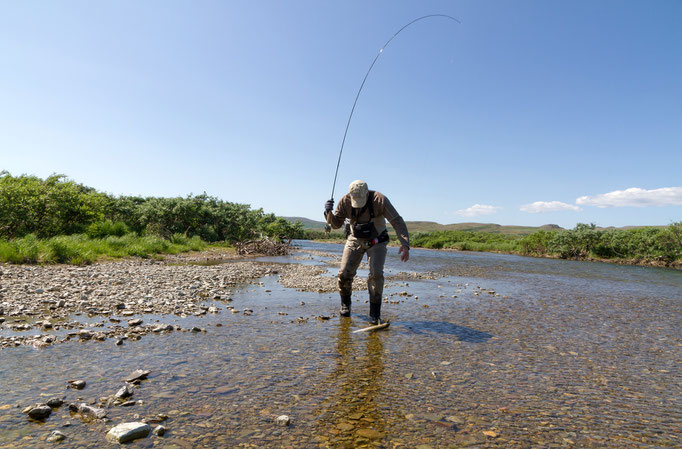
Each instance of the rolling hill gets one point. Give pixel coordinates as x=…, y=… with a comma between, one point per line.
x=428, y=226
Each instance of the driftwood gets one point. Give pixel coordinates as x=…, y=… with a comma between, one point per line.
x=265, y=246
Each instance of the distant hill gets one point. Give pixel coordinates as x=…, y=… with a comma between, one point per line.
x=428, y=226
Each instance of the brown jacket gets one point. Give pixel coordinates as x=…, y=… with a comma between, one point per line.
x=383, y=210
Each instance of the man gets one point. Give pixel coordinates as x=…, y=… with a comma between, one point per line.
x=367, y=211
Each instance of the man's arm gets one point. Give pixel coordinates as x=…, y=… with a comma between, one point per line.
x=397, y=222
x=338, y=217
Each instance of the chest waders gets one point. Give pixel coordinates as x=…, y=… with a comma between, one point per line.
x=364, y=239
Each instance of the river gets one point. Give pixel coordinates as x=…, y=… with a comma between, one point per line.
x=496, y=351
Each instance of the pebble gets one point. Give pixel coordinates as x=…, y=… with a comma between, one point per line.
x=124, y=392
x=77, y=384
x=159, y=430
x=130, y=431
x=283, y=420
x=39, y=412
x=139, y=374
x=55, y=437
x=55, y=402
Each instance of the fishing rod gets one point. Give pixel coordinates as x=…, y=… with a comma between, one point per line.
x=345, y=133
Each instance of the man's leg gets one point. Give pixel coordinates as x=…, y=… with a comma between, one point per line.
x=375, y=280
x=350, y=261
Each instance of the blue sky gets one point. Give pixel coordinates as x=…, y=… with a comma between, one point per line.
x=527, y=113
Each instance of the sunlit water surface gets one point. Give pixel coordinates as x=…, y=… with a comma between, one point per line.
x=562, y=354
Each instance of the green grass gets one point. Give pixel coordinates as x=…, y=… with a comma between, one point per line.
x=645, y=244
x=80, y=249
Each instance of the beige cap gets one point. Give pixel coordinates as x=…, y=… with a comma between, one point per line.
x=358, y=193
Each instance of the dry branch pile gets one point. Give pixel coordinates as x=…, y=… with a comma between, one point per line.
x=265, y=246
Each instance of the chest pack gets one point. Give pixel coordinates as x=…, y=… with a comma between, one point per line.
x=364, y=230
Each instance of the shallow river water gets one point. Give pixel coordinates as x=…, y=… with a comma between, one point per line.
x=501, y=351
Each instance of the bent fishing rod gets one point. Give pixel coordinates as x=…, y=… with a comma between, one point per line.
x=350, y=116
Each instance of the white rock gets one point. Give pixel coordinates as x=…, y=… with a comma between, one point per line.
x=283, y=420
x=128, y=431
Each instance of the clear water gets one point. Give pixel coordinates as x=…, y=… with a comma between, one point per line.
x=564, y=354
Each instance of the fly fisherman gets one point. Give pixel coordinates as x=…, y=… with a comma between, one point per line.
x=367, y=211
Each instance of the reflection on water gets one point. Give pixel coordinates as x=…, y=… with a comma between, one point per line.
x=502, y=351
x=351, y=415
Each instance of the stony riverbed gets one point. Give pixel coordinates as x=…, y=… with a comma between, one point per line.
x=483, y=351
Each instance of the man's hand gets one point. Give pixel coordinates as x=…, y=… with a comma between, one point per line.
x=328, y=206
x=404, y=252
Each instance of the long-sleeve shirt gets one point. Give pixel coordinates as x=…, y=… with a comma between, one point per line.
x=383, y=210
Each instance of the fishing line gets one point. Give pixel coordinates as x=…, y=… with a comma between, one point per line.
x=365, y=79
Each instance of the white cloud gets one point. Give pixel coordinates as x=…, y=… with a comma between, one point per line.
x=477, y=210
x=548, y=206
x=636, y=197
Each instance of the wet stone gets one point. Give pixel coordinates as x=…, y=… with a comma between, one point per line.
x=130, y=431
x=137, y=375
x=55, y=437
x=283, y=421
x=55, y=402
x=77, y=384
x=124, y=392
x=40, y=412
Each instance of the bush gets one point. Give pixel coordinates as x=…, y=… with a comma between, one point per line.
x=107, y=228
x=58, y=206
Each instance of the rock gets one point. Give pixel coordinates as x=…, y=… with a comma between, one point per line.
x=55, y=402
x=128, y=404
x=91, y=412
x=129, y=431
x=212, y=310
x=39, y=412
x=159, y=430
x=370, y=434
x=124, y=392
x=84, y=334
x=135, y=322
x=283, y=420
x=77, y=384
x=56, y=436
x=139, y=374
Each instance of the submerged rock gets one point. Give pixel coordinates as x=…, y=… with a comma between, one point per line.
x=129, y=431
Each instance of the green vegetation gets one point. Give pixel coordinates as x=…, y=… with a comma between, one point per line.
x=58, y=220
x=648, y=244
x=80, y=249
x=466, y=241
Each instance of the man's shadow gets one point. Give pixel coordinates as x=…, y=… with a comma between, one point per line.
x=462, y=333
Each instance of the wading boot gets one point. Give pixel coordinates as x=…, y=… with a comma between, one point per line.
x=374, y=313
x=345, y=305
